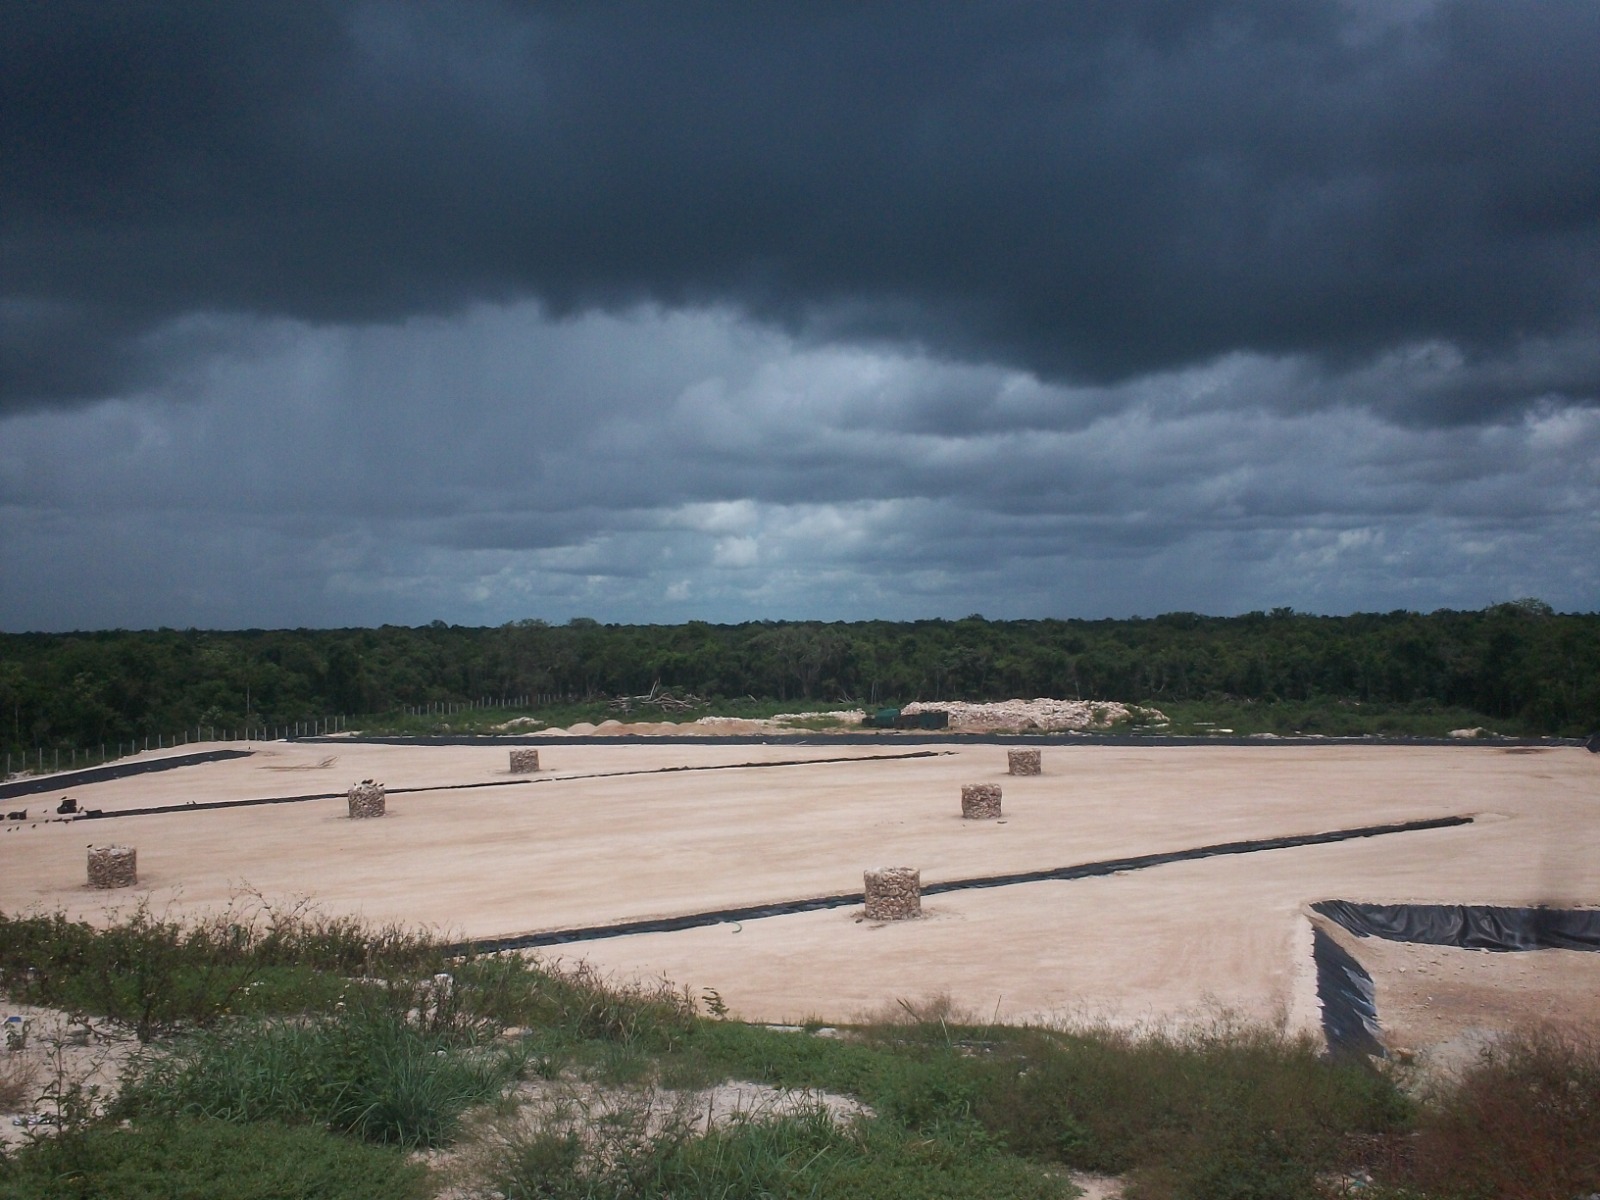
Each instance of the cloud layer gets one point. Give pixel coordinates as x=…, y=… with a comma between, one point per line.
x=663, y=466
x=1085, y=191
x=328, y=312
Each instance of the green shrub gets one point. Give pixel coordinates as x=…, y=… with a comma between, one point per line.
x=1522, y=1124
x=208, y=1160
x=1198, y=1104
x=727, y=1049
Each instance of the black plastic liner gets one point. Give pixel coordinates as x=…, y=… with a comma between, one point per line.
x=208, y=805
x=204, y=806
x=1349, y=1006
x=561, y=937
x=1349, y=1009
x=1141, y=861
x=748, y=766
x=67, y=780
x=907, y=738
x=1470, y=926
x=1593, y=744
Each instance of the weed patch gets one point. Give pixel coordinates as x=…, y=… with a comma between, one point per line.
x=208, y=1159
x=803, y=1155
x=1522, y=1124
x=157, y=976
x=364, y=1071
x=1223, y=1111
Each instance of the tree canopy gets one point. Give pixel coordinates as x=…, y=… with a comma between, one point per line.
x=1517, y=661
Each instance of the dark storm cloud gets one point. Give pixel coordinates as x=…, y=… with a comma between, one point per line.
x=687, y=465
x=1091, y=191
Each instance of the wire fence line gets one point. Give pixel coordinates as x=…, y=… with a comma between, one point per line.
x=530, y=700
x=43, y=760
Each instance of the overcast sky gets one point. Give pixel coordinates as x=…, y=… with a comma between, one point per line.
x=350, y=313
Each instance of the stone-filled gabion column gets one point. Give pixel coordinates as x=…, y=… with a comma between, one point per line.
x=894, y=893
x=366, y=800
x=980, y=801
x=113, y=866
x=1023, y=762
x=523, y=761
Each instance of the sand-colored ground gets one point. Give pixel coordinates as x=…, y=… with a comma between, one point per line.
x=1152, y=944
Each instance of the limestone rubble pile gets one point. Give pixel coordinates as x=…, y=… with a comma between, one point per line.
x=366, y=800
x=1041, y=715
x=1024, y=762
x=113, y=866
x=893, y=893
x=980, y=801
x=845, y=716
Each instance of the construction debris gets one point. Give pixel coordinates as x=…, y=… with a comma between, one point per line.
x=524, y=761
x=664, y=699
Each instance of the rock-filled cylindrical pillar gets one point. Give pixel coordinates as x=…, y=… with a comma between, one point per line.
x=523, y=761
x=894, y=893
x=113, y=866
x=1023, y=762
x=366, y=800
x=980, y=801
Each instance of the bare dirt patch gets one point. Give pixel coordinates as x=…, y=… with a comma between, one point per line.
x=61, y=1055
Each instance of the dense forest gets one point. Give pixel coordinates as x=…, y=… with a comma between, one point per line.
x=1519, y=662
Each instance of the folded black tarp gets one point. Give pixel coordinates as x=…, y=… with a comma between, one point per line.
x=1470, y=926
x=1349, y=1006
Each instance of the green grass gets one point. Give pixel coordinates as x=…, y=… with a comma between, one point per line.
x=156, y=975
x=1326, y=716
x=208, y=1160
x=1177, y=1109
x=343, y=1038
x=1226, y=1110
x=369, y=1070
x=801, y=1155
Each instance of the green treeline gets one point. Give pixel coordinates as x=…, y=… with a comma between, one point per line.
x=1519, y=662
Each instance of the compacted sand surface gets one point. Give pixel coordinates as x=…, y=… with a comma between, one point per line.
x=603, y=834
